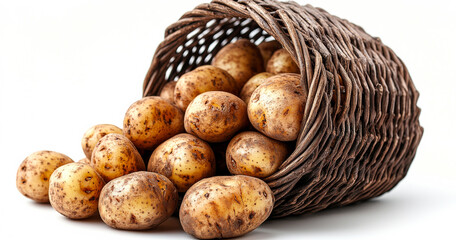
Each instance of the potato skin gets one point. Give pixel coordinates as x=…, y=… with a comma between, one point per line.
x=140, y=200
x=241, y=59
x=215, y=116
x=151, y=120
x=74, y=190
x=202, y=79
x=115, y=156
x=253, y=154
x=32, y=179
x=167, y=91
x=94, y=134
x=84, y=160
x=276, y=107
x=184, y=159
x=225, y=206
x=267, y=49
x=252, y=84
x=282, y=62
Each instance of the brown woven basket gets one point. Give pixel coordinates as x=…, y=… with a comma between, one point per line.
x=360, y=129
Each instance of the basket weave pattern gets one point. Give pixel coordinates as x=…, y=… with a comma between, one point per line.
x=360, y=129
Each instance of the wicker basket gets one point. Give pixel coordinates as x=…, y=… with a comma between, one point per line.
x=360, y=129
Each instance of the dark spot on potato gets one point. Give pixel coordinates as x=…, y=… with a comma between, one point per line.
x=251, y=215
x=88, y=178
x=265, y=194
x=206, y=195
x=133, y=219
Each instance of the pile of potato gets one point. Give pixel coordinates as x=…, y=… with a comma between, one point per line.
x=202, y=146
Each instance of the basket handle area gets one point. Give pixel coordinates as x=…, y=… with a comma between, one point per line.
x=360, y=128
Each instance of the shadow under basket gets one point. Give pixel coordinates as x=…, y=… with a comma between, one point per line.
x=360, y=129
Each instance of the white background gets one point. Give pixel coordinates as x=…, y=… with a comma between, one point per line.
x=68, y=65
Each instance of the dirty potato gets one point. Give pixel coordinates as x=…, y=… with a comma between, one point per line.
x=225, y=206
x=167, y=91
x=115, y=156
x=140, y=200
x=252, y=84
x=95, y=133
x=202, y=79
x=241, y=59
x=267, y=49
x=151, y=120
x=74, y=190
x=184, y=159
x=215, y=116
x=276, y=107
x=282, y=62
x=84, y=160
x=253, y=154
x=32, y=179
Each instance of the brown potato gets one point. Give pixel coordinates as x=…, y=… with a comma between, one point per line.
x=140, y=200
x=94, y=134
x=84, y=160
x=267, y=49
x=202, y=79
x=225, y=206
x=151, y=120
x=215, y=116
x=184, y=159
x=252, y=84
x=115, y=156
x=241, y=59
x=276, y=107
x=167, y=91
x=253, y=154
x=74, y=190
x=282, y=62
x=32, y=179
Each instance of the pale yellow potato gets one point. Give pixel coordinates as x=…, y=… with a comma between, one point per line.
x=115, y=156
x=282, y=62
x=32, y=179
x=276, y=107
x=74, y=190
x=94, y=134
x=202, y=79
x=167, y=91
x=267, y=49
x=252, y=84
x=253, y=154
x=225, y=206
x=137, y=201
x=84, y=160
x=241, y=59
x=215, y=116
x=184, y=159
x=151, y=120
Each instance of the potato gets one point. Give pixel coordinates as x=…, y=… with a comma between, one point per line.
x=84, y=160
x=276, y=107
x=267, y=49
x=241, y=59
x=225, y=206
x=115, y=156
x=202, y=79
x=253, y=154
x=74, y=190
x=167, y=91
x=151, y=120
x=215, y=116
x=32, y=179
x=184, y=159
x=252, y=84
x=95, y=133
x=140, y=200
x=282, y=62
